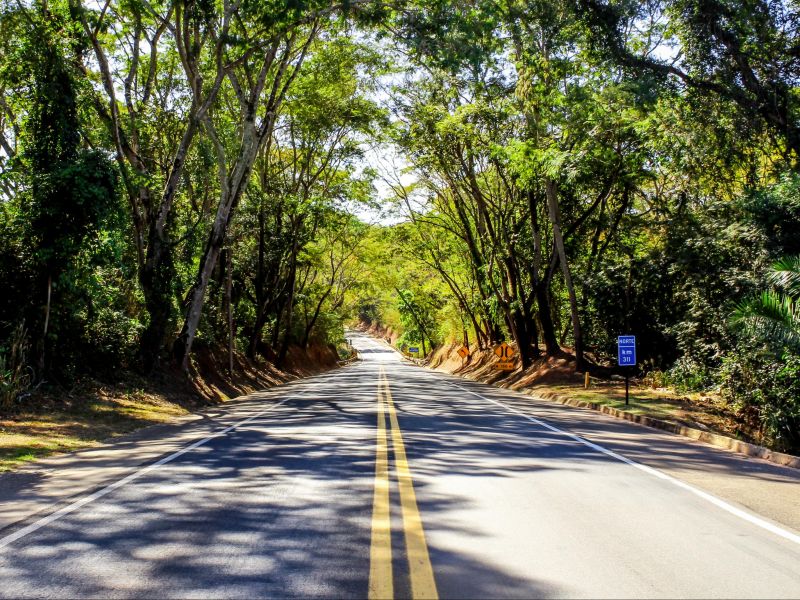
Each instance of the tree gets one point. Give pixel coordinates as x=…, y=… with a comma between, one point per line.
x=136, y=41
x=774, y=316
x=72, y=190
x=742, y=52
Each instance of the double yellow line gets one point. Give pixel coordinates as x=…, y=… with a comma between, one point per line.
x=381, y=585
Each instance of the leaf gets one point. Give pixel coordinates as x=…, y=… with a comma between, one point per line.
x=772, y=317
x=786, y=275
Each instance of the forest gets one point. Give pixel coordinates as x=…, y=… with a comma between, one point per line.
x=250, y=176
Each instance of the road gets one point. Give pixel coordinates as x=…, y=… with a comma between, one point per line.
x=385, y=479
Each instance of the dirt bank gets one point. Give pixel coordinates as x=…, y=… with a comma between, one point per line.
x=380, y=331
x=90, y=412
x=696, y=415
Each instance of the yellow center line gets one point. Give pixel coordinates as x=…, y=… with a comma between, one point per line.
x=380, y=555
x=423, y=584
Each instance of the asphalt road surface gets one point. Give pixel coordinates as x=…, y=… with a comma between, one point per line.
x=384, y=479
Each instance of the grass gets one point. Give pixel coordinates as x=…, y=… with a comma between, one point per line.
x=81, y=421
x=557, y=376
x=704, y=411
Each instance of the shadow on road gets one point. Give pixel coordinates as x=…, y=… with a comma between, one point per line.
x=282, y=506
x=278, y=508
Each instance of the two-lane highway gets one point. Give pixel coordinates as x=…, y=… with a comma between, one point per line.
x=383, y=479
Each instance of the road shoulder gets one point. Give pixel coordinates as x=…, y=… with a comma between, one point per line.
x=765, y=488
x=43, y=486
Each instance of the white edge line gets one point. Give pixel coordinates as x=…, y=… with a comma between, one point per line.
x=55, y=516
x=738, y=512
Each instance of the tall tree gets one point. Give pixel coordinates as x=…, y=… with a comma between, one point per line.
x=71, y=190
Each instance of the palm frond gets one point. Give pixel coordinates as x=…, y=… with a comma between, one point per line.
x=771, y=316
x=785, y=274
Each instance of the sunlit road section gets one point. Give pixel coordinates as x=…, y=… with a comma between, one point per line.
x=383, y=479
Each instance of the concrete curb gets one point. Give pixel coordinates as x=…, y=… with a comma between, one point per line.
x=714, y=439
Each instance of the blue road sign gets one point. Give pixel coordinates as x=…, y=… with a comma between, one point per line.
x=626, y=350
x=413, y=349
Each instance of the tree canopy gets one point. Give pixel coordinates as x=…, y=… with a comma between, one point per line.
x=178, y=176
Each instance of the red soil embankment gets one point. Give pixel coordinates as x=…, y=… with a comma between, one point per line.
x=211, y=379
x=54, y=420
x=379, y=330
x=481, y=366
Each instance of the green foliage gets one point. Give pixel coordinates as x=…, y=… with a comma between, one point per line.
x=418, y=314
x=72, y=201
x=635, y=296
x=560, y=182
x=766, y=391
x=687, y=374
x=774, y=316
x=771, y=316
x=775, y=210
x=786, y=274
x=762, y=377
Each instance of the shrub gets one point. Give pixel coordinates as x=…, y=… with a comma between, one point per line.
x=689, y=375
x=655, y=379
x=766, y=393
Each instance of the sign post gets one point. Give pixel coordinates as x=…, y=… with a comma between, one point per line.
x=626, y=357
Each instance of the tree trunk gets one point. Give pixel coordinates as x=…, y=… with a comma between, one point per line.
x=539, y=285
x=524, y=326
x=284, y=350
x=512, y=315
x=416, y=318
x=47, y=306
x=552, y=348
x=258, y=284
x=229, y=198
x=477, y=263
x=255, y=336
x=314, y=317
x=156, y=278
x=229, y=307
x=558, y=240
x=43, y=350
x=276, y=331
x=522, y=338
x=460, y=297
x=183, y=345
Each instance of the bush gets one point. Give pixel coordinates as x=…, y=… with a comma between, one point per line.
x=407, y=340
x=766, y=392
x=689, y=375
x=655, y=379
x=109, y=340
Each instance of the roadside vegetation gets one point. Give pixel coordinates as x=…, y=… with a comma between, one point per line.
x=582, y=170
x=191, y=189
